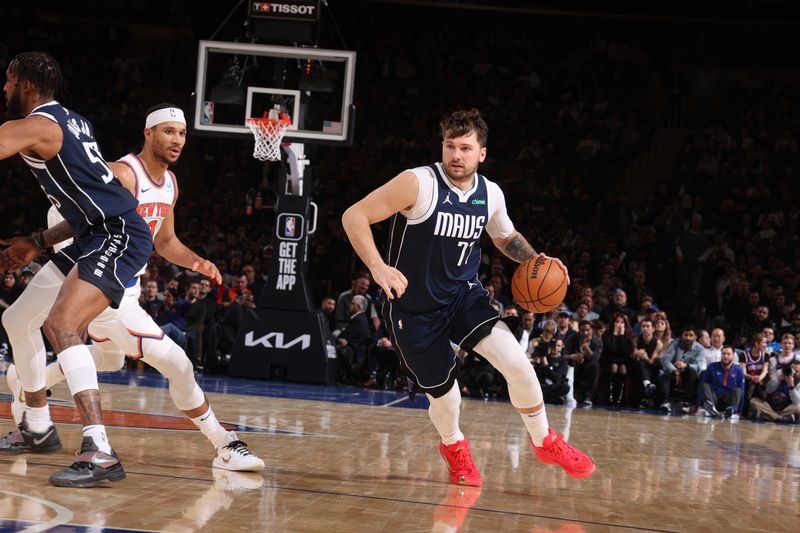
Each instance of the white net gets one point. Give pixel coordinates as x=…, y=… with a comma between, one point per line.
x=268, y=134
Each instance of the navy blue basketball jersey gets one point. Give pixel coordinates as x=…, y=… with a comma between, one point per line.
x=439, y=250
x=77, y=181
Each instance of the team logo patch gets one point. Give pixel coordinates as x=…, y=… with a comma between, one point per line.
x=400, y=324
x=478, y=201
x=289, y=229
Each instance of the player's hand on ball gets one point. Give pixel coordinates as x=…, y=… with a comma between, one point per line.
x=390, y=279
x=20, y=252
x=557, y=261
x=208, y=269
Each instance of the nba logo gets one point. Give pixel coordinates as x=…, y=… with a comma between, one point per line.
x=289, y=229
x=208, y=113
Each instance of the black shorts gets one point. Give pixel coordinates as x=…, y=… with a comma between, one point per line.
x=110, y=254
x=422, y=339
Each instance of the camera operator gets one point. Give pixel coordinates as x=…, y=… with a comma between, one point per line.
x=783, y=387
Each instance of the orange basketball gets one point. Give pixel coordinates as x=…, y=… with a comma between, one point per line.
x=539, y=284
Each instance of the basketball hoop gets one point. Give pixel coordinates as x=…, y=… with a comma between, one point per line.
x=268, y=134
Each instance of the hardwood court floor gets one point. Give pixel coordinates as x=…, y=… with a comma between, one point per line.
x=349, y=460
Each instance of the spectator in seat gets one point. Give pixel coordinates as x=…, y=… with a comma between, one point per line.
x=721, y=388
x=713, y=352
x=681, y=364
x=617, y=352
x=149, y=299
x=782, y=401
x=195, y=323
x=359, y=285
x=539, y=346
x=583, y=351
x=552, y=373
x=172, y=318
x=254, y=283
x=354, y=339
x=772, y=345
x=754, y=362
x=564, y=330
x=328, y=306
x=239, y=288
x=619, y=304
x=646, y=361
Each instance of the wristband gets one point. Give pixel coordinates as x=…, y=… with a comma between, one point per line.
x=36, y=236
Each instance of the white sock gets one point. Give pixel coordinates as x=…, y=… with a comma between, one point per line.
x=98, y=434
x=38, y=418
x=213, y=430
x=537, y=425
x=646, y=382
x=444, y=413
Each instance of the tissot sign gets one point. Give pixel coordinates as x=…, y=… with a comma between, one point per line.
x=307, y=10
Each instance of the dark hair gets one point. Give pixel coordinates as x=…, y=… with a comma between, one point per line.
x=156, y=107
x=460, y=123
x=689, y=327
x=41, y=70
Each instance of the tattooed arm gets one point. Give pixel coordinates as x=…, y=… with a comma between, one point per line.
x=517, y=248
x=58, y=233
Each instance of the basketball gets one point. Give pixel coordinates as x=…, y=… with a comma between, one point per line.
x=539, y=284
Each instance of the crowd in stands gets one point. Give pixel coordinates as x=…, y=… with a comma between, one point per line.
x=711, y=247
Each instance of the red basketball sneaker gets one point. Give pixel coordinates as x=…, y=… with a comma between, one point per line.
x=556, y=451
x=459, y=460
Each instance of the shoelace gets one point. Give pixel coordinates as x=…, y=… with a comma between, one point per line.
x=239, y=447
x=463, y=460
x=561, y=447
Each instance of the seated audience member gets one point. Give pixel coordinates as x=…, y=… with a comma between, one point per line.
x=582, y=312
x=254, y=283
x=552, y=373
x=771, y=345
x=359, y=285
x=524, y=332
x=681, y=364
x=171, y=317
x=195, y=320
x=662, y=329
x=382, y=363
x=328, y=306
x=564, y=329
x=619, y=304
x=538, y=347
x=783, y=388
x=721, y=388
x=713, y=352
x=646, y=366
x=476, y=375
x=150, y=300
x=754, y=362
x=354, y=339
x=232, y=319
x=239, y=288
x=583, y=351
x=617, y=351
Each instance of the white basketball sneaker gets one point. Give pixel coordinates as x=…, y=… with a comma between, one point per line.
x=17, y=397
x=235, y=456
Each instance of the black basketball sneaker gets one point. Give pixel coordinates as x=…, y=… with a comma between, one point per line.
x=92, y=468
x=23, y=440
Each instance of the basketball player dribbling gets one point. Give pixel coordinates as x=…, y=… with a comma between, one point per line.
x=130, y=329
x=113, y=244
x=439, y=212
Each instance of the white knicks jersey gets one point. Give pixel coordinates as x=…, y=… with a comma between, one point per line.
x=155, y=200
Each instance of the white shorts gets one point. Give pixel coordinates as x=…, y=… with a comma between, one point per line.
x=127, y=326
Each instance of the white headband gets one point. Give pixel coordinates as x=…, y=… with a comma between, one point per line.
x=167, y=114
